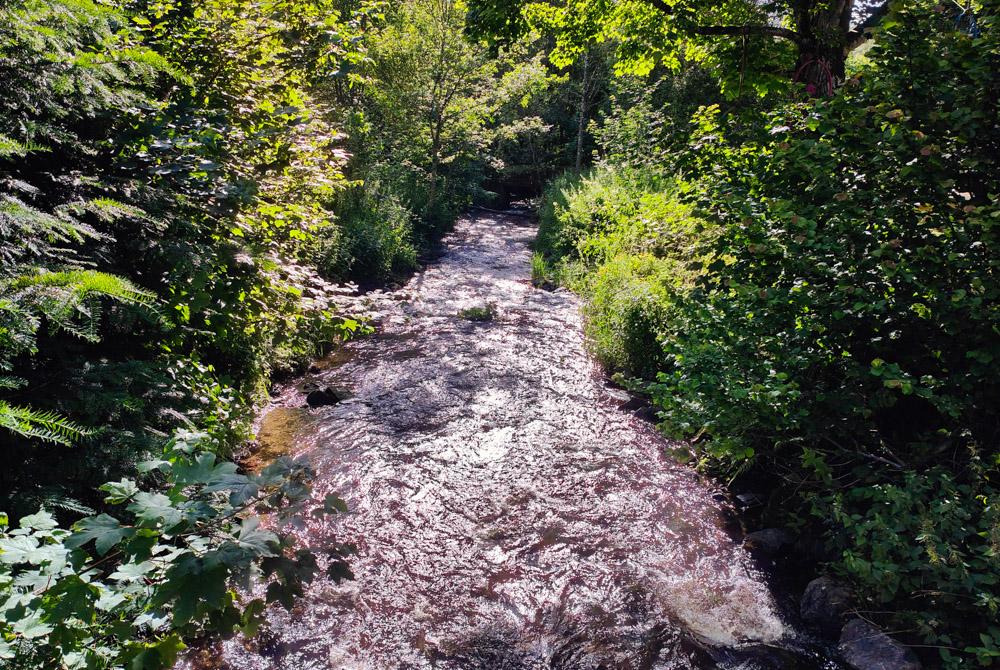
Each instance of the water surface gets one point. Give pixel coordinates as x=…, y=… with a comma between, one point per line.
x=508, y=514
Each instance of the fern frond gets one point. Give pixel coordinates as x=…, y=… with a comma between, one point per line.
x=69, y=300
x=105, y=209
x=9, y=382
x=45, y=426
x=65, y=503
x=27, y=232
x=12, y=148
x=17, y=331
x=86, y=283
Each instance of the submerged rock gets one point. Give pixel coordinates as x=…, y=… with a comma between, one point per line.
x=824, y=604
x=865, y=647
x=323, y=396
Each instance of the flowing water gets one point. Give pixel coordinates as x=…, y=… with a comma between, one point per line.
x=507, y=512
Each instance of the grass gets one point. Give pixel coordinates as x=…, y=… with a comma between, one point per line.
x=485, y=312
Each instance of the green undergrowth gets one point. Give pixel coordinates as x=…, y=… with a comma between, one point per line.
x=815, y=306
x=485, y=312
x=625, y=240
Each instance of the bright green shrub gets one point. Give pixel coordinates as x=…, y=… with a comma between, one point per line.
x=608, y=212
x=625, y=241
x=625, y=309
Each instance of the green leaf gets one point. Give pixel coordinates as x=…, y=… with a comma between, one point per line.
x=131, y=572
x=70, y=598
x=119, y=492
x=155, y=509
x=31, y=626
x=105, y=530
x=41, y=520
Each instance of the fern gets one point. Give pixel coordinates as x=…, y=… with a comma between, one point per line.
x=18, y=326
x=105, y=209
x=29, y=233
x=86, y=283
x=12, y=148
x=63, y=502
x=45, y=426
x=70, y=300
x=10, y=383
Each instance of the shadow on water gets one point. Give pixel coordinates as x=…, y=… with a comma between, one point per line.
x=507, y=513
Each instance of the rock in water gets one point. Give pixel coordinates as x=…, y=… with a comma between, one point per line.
x=768, y=542
x=824, y=604
x=322, y=396
x=865, y=647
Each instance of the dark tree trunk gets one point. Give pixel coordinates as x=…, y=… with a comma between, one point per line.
x=822, y=28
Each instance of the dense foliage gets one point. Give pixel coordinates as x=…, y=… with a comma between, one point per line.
x=165, y=155
x=125, y=591
x=180, y=183
x=793, y=251
x=840, y=335
x=164, y=175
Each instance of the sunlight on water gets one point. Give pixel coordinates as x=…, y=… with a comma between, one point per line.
x=507, y=514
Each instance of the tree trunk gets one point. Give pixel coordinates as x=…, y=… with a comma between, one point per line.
x=822, y=27
x=581, y=125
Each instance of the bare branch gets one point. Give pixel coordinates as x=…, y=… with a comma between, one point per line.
x=772, y=31
x=740, y=31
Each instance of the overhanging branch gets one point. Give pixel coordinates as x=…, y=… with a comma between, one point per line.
x=746, y=31
x=739, y=31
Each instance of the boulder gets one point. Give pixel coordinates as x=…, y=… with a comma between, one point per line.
x=824, y=604
x=768, y=541
x=749, y=500
x=323, y=396
x=865, y=647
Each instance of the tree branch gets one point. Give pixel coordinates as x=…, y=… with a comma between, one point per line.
x=772, y=31
x=859, y=35
x=741, y=31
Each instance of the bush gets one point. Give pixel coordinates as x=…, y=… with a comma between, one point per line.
x=626, y=307
x=844, y=337
x=374, y=240
x=625, y=241
x=592, y=218
x=164, y=175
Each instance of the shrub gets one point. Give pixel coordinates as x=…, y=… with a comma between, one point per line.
x=374, y=240
x=627, y=301
x=845, y=334
x=626, y=242
x=164, y=174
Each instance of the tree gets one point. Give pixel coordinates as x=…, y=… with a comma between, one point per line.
x=753, y=33
x=424, y=104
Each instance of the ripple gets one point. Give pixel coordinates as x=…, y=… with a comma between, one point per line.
x=506, y=514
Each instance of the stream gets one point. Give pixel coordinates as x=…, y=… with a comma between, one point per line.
x=508, y=512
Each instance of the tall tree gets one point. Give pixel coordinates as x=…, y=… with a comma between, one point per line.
x=811, y=38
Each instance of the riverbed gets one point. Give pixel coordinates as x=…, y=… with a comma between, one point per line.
x=507, y=511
